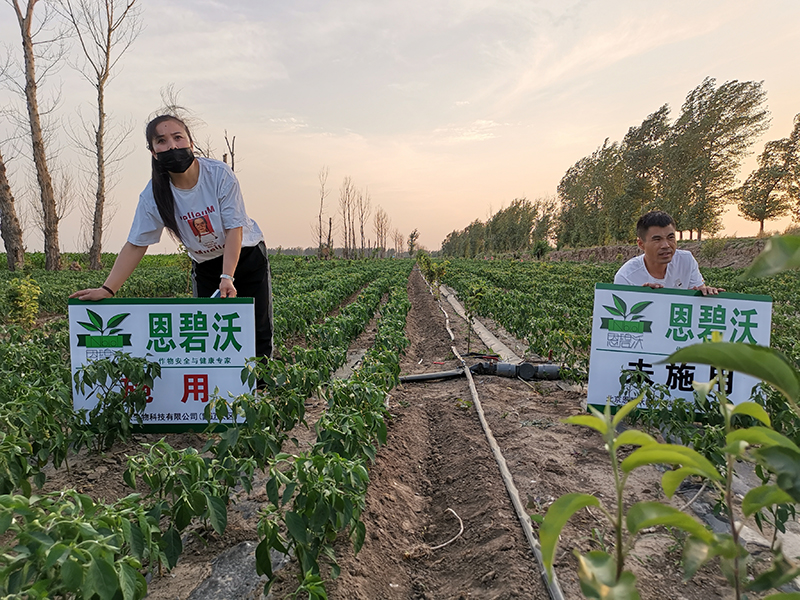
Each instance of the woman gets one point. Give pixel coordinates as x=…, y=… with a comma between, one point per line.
x=183, y=191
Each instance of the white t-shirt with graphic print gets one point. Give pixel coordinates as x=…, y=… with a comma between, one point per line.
x=203, y=213
x=682, y=272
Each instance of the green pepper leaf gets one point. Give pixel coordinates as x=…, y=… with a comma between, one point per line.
x=296, y=526
x=101, y=578
x=172, y=546
x=218, y=513
x=128, y=581
x=695, y=554
x=672, y=479
x=72, y=575
x=625, y=410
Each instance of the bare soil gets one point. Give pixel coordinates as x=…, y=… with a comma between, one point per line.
x=437, y=464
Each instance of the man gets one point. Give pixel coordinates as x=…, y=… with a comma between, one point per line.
x=662, y=264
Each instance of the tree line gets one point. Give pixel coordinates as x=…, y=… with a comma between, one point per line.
x=526, y=225
x=352, y=222
x=687, y=167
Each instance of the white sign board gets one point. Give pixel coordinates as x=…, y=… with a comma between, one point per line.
x=636, y=328
x=200, y=343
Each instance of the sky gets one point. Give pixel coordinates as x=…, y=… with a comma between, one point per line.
x=443, y=111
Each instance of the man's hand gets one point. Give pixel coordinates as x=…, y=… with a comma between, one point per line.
x=650, y=284
x=708, y=290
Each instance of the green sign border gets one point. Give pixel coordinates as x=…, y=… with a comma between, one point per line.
x=677, y=292
x=110, y=301
x=198, y=427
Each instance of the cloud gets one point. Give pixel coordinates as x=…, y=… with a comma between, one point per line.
x=202, y=43
x=287, y=124
x=479, y=130
x=550, y=46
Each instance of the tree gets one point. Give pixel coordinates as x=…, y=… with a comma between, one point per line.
x=25, y=18
x=382, y=224
x=398, y=239
x=545, y=210
x=347, y=201
x=590, y=192
x=412, y=242
x=9, y=223
x=643, y=175
x=329, y=252
x=705, y=147
x=513, y=229
x=231, y=145
x=510, y=228
x=105, y=30
x=771, y=190
x=323, y=193
x=364, y=209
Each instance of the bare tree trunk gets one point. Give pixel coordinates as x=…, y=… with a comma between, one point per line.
x=330, y=238
x=323, y=179
x=381, y=230
x=49, y=213
x=364, y=210
x=231, y=144
x=96, y=249
x=346, y=202
x=352, y=226
x=399, y=241
x=9, y=223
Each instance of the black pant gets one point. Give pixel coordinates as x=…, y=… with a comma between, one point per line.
x=253, y=279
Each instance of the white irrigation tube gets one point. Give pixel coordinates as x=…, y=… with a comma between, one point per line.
x=458, y=535
x=553, y=588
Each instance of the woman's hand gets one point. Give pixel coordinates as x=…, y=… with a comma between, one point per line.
x=92, y=294
x=127, y=260
x=226, y=289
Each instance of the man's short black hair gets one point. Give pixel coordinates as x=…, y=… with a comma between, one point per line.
x=655, y=218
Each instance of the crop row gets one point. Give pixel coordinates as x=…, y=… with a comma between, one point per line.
x=65, y=543
x=168, y=276
x=550, y=304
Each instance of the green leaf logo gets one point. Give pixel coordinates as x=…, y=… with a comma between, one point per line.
x=96, y=322
x=630, y=322
x=109, y=334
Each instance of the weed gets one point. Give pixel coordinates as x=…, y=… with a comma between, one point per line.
x=463, y=404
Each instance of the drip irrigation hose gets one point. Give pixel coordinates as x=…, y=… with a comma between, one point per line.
x=432, y=376
x=553, y=587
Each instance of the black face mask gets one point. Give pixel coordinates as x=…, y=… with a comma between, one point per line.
x=176, y=160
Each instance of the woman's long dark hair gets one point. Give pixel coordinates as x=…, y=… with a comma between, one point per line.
x=162, y=192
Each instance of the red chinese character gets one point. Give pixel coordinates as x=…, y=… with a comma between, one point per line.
x=195, y=386
x=129, y=387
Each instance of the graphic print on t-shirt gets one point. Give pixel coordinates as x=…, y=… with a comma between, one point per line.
x=203, y=231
